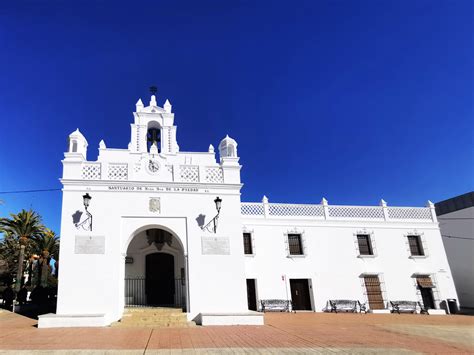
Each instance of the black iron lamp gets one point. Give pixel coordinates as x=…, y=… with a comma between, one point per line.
x=87, y=223
x=211, y=226
x=218, y=202
x=87, y=199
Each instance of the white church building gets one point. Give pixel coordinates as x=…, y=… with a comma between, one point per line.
x=151, y=225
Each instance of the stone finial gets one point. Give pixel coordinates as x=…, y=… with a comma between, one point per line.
x=153, y=101
x=139, y=105
x=382, y=203
x=167, y=106
x=102, y=144
x=211, y=148
x=430, y=204
x=324, y=202
x=265, y=199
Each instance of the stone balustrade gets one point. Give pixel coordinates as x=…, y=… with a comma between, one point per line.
x=324, y=211
x=184, y=173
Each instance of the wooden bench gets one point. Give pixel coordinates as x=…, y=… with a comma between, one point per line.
x=343, y=305
x=403, y=306
x=275, y=305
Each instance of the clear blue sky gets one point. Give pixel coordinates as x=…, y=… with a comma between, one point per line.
x=350, y=100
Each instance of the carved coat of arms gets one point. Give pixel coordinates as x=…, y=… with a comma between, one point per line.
x=154, y=204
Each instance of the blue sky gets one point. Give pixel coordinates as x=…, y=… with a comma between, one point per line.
x=350, y=100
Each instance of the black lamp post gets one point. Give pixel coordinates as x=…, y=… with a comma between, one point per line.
x=87, y=223
x=218, y=202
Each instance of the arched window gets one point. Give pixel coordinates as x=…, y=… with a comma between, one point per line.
x=74, y=147
x=153, y=135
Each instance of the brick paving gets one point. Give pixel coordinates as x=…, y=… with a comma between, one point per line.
x=282, y=333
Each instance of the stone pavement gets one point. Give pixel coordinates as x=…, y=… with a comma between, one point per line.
x=283, y=333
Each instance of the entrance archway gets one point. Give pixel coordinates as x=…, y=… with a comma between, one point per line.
x=155, y=270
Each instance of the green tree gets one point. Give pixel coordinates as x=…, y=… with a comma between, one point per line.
x=22, y=228
x=48, y=240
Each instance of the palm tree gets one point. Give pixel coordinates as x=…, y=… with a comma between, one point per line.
x=46, y=241
x=23, y=226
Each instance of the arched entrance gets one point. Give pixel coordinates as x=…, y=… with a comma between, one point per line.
x=155, y=270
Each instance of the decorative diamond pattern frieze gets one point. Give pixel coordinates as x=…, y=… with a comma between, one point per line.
x=189, y=173
x=361, y=212
x=251, y=209
x=409, y=213
x=214, y=175
x=118, y=172
x=91, y=171
x=294, y=210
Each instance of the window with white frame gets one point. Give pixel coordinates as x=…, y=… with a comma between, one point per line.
x=248, y=247
x=416, y=245
x=364, y=241
x=365, y=244
x=295, y=244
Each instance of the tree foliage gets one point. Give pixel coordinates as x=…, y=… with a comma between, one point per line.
x=24, y=228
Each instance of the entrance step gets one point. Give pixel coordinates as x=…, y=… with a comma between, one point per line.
x=159, y=317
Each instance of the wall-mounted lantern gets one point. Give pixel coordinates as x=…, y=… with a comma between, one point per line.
x=87, y=223
x=211, y=226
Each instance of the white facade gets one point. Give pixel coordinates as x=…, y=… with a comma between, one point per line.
x=153, y=199
x=456, y=221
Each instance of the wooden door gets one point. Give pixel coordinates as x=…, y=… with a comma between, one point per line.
x=427, y=296
x=159, y=282
x=251, y=295
x=374, y=293
x=300, y=294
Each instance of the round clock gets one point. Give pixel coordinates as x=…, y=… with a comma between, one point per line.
x=153, y=166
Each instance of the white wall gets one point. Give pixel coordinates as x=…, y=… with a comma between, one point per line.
x=460, y=251
x=331, y=260
x=91, y=284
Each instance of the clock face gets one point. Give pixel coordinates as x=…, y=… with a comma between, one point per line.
x=153, y=166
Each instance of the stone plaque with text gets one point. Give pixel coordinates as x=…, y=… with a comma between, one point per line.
x=215, y=245
x=89, y=244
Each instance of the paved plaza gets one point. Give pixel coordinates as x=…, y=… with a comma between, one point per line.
x=282, y=333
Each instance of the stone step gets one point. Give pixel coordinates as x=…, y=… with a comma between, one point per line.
x=154, y=320
x=153, y=310
x=159, y=317
x=121, y=325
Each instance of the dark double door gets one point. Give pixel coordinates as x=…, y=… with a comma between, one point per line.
x=300, y=297
x=160, y=281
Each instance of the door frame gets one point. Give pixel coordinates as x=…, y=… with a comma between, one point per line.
x=310, y=292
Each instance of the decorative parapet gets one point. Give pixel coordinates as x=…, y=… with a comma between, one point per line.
x=189, y=173
x=91, y=171
x=118, y=172
x=327, y=212
x=214, y=175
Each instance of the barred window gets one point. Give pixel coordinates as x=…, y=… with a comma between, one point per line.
x=248, y=243
x=294, y=244
x=365, y=246
x=416, y=248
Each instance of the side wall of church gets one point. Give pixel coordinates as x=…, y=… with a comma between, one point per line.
x=333, y=265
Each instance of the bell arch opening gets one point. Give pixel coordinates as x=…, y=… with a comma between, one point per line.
x=155, y=270
x=153, y=136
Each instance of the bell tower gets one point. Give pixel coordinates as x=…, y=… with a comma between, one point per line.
x=153, y=129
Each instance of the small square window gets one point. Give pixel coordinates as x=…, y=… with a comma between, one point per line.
x=248, y=243
x=294, y=244
x=416, y=247
x=365, y=246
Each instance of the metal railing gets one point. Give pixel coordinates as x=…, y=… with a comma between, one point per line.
x=143, y=292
